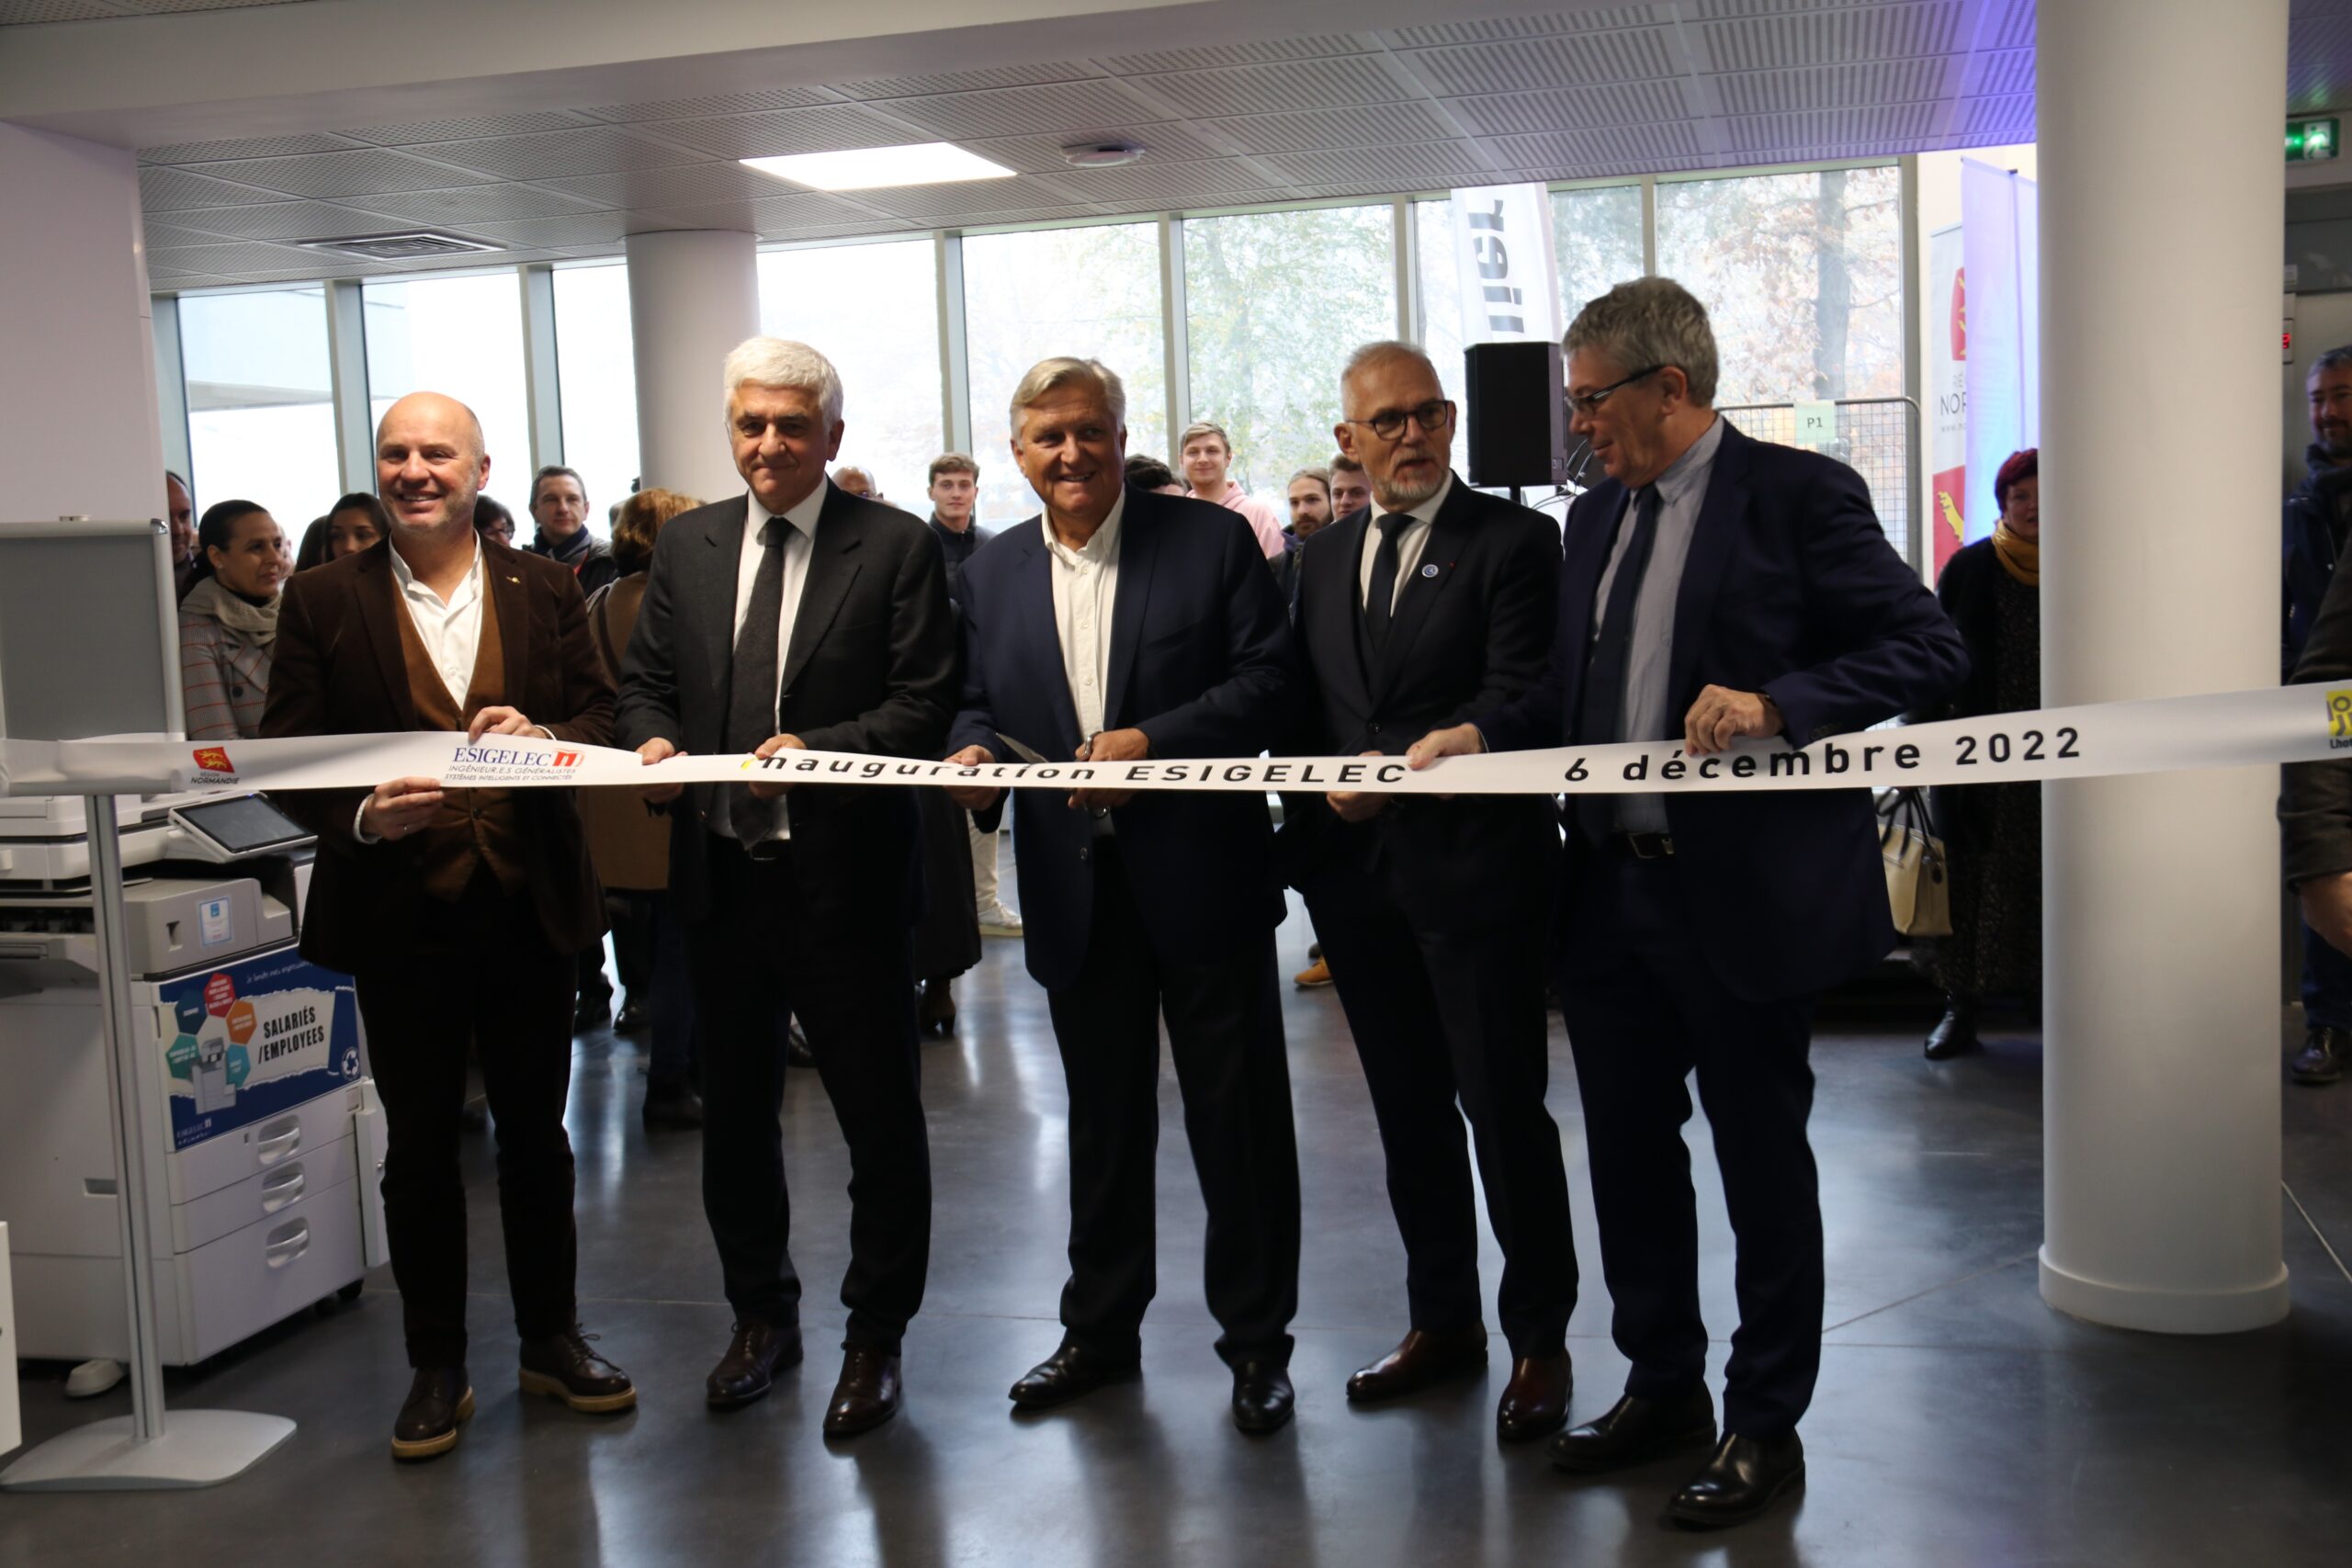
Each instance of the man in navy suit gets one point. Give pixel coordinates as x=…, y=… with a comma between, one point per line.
x=1123, y=625
x=1713, y=587
x=1431, y=603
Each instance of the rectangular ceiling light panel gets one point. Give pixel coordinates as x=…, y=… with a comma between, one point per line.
x=870, y=168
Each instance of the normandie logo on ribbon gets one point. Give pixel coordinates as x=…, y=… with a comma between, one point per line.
x=2339, y=718
x=215, y=758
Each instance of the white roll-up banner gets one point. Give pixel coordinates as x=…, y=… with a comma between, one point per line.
x=2221, y=730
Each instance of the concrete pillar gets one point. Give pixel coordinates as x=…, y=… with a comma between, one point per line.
x=2160, y=277
x=79, y=431
x=692, y=295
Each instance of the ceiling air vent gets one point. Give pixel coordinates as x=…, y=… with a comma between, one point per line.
x=406, y=244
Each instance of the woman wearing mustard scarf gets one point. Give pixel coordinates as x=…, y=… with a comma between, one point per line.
x=1992, y=833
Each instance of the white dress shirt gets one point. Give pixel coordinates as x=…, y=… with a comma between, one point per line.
x=1409, y=543
x=1086, y=590
x=449, y=628
x=799, y=544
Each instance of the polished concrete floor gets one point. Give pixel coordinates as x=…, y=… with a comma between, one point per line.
x=1958, y=1422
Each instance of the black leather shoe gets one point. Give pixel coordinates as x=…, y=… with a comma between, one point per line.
x=749, y=1368
x=1955, y=1033
x=438, y=1399
x=936, y=1014
x=1420, y=1360
x=2321, y=1061
x=564, y=1367
x=867, y=1395
x=1535, y=1402
x=1744, y=1479
x=591, y=1012
x=635, y=1016
x=672, y=1105
x=1634, y=1431
x=1070, y=1373
x=1262, y=1397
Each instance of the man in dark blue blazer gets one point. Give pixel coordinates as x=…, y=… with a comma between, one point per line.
x=1713, y=587
x=1123, y=625
x=1428, y=606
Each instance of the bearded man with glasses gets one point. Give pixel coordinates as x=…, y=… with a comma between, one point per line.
x=1413, y=612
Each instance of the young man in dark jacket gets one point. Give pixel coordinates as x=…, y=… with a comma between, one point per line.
x=2314, y=527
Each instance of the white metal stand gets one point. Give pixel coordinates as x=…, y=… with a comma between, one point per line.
x=136, y=1452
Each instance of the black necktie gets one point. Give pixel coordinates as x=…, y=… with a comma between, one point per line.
x=751, y=694
x=1380, y=604
x=1601, y=706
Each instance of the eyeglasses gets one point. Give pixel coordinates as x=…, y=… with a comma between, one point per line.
x=1590, y=404
x=1389, y=423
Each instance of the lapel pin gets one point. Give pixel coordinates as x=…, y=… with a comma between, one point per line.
x=1429, y=571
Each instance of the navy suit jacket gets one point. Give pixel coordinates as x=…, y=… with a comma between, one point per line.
x=1791, y=589
x=1202, y=662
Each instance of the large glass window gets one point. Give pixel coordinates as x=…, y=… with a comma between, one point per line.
x=260, y=416
x=463, y=337
x=596, y=382
x=1802, y=275
x=1275, y=302
x=874, y=311
x=1092, y=293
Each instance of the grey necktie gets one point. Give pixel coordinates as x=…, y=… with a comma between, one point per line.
x=752, y=692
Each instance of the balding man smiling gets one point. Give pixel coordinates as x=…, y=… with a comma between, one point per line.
x=460, y=913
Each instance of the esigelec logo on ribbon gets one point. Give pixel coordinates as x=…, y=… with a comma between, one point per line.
x=497, y=760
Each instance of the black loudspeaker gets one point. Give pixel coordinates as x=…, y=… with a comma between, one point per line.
x=1518, y=426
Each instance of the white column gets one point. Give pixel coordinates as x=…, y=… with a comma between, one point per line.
x=692, y=295
x=79, y=431
x=2160, y=277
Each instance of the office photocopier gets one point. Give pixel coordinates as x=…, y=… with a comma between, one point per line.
x=253, y=1085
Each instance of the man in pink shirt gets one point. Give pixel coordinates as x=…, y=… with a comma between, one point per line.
x=1206, y=454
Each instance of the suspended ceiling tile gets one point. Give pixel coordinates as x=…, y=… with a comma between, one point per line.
x=582, y=229
x=164, y=189
x=553, y=154
x=1921, y=80
x=1273, y=89
x=1411, y=167
x=1174, y=185
x=759, y=215
x=1495, y=29
x=466, y=129
x=237, y=257
x=718, y=103
x=1999, y=72
x=689, y=184
x=984, y=200
x=1167, y=141
x=34, y=13
x=166, y=236
x=1608, y=150
x=1024, y=111
x=287, y=220
x=2016, y=28
x=247, y=147
x=1988, y=121
x=1891, y=127
x=1631, y=103
x=777, y=132
x=373, y=171
x=482, y=204
x=1317, y=129
x=1213, y=56
x=932, y=83
x=1887, y=31
x=1639, y=54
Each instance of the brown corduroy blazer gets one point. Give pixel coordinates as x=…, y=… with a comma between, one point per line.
x=338, y=670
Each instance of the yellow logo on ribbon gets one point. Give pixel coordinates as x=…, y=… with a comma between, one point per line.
x=2339, y=715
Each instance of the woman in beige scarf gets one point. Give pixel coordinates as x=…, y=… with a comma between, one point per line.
x=229, y=619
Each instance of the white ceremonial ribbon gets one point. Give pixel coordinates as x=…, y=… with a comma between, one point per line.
x=2221, y=730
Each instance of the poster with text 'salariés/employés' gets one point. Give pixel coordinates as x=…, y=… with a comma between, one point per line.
x=253, y=1038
